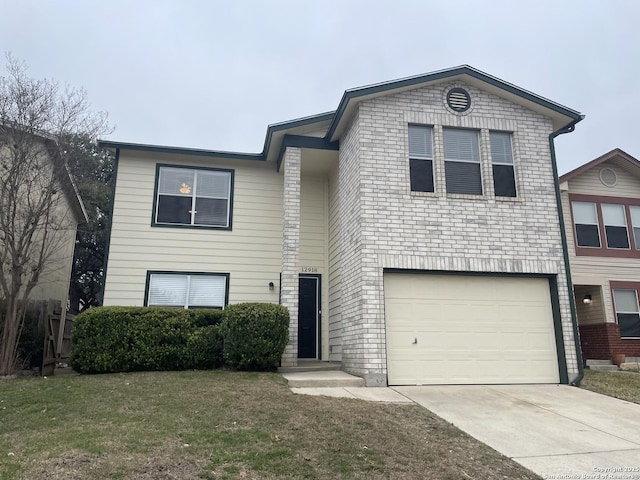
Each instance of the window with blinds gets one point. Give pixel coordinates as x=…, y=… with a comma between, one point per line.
x=627, y=312
x=187, y=196
x=462, y=161
x=187, y=290
x=421, y=158
x=615, y=225
x=504, y=179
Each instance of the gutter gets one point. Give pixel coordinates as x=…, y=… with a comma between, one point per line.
x=565, y=249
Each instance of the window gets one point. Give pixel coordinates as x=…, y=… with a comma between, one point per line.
x=186, y=196
x=615, y=225
x=586, y=223
x=462, y=161
x=627, y=313
x=182, y=290
x=421, y=158
x=634, y=210
x=504, y=180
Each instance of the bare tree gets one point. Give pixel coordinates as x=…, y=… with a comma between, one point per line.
x=35, y=118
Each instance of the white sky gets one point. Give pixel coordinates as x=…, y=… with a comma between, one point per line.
x=213, y=74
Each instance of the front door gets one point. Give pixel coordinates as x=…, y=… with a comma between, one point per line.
x=308, y=316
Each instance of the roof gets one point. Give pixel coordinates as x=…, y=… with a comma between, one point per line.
x=334, y=123
x=616, y=154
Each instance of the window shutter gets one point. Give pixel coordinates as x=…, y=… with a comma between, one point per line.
x=420, y=142
x=171, y=180
x=213, y=184
x=167, y=289
x=461, y=145
x=501, y=151
x=207, y=291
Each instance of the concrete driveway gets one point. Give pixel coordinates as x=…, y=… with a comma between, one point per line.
x=556, y=431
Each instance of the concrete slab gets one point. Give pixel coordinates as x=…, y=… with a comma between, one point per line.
x=320, y=379
x=550, y=429
x=378, y=394
x=337, y=392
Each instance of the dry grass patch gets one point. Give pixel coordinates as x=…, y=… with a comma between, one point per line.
x=210, y=425
x=623, y=385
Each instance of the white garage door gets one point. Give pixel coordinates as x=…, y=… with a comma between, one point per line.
x=454, y=329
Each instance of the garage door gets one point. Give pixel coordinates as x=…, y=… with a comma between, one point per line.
x=455, y=329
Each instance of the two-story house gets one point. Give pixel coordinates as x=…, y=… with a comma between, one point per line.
x=414, y=233
x=601, y=201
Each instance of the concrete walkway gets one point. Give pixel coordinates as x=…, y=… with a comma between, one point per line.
x=556, y=431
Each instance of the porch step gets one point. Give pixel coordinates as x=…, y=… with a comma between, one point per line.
x=311, y=366
x=602, y=365
x=318, y=379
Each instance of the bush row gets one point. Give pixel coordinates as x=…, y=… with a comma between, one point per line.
x=249, y=336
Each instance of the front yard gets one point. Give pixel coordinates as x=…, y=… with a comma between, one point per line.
x=218, y=424
x=623, y=385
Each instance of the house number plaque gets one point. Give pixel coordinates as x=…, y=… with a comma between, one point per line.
x=309, y=269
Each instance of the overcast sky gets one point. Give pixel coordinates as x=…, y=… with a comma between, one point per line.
x=213, y=74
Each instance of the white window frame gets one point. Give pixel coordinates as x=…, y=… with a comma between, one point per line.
x=576, y=223
x=615, y=306
x=605, y=224
x=457, y=160
x=189, y=276
x=509, y=135
x=420, y=157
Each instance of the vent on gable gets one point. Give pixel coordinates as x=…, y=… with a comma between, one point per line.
x=608, y=177
x=458, y=99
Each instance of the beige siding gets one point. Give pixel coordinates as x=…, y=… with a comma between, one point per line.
x=589, y=313
x=54, y=280
x=313, y=241
x=597, y=272
x=589, y=183
x=335, y=310
x=250, y=252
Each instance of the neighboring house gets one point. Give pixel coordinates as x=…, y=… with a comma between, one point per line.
x=67, y=210
x=601, y=201
x=413, y=233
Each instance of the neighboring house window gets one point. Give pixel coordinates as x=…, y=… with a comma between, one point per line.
x=635, y=224
x=462, y=161
x=627, y=312
x=504, y=180
x=421, y=158
x=615, y=225
x=586, y=224
x=193, y=197
x=194, y=290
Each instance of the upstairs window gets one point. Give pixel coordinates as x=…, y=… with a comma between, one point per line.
x=586, y=224
x=193, y=197
x=634, y=210
x=627, y=312
x=504, y=180
x=167, y=289
x=462, y=161
x=615, y=225
x=421, y=158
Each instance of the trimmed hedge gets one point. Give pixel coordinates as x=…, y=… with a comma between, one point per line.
x=254, y=335
x=122, y=339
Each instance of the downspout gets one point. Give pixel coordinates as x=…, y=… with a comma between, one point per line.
x=565, y=249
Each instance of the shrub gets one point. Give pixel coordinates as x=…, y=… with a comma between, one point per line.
x=255, y=335
x=121, y=339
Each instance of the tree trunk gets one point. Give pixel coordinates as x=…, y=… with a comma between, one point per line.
x=9, y=344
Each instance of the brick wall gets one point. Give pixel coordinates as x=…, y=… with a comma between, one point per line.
x=385, y=225
x=603, y=342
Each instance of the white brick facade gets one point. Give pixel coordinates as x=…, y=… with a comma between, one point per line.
x=385, y=225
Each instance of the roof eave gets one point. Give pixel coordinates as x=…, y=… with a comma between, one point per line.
x=615, y=153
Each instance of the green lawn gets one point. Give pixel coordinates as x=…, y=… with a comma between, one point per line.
x=623, y=385
x=218, y=424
